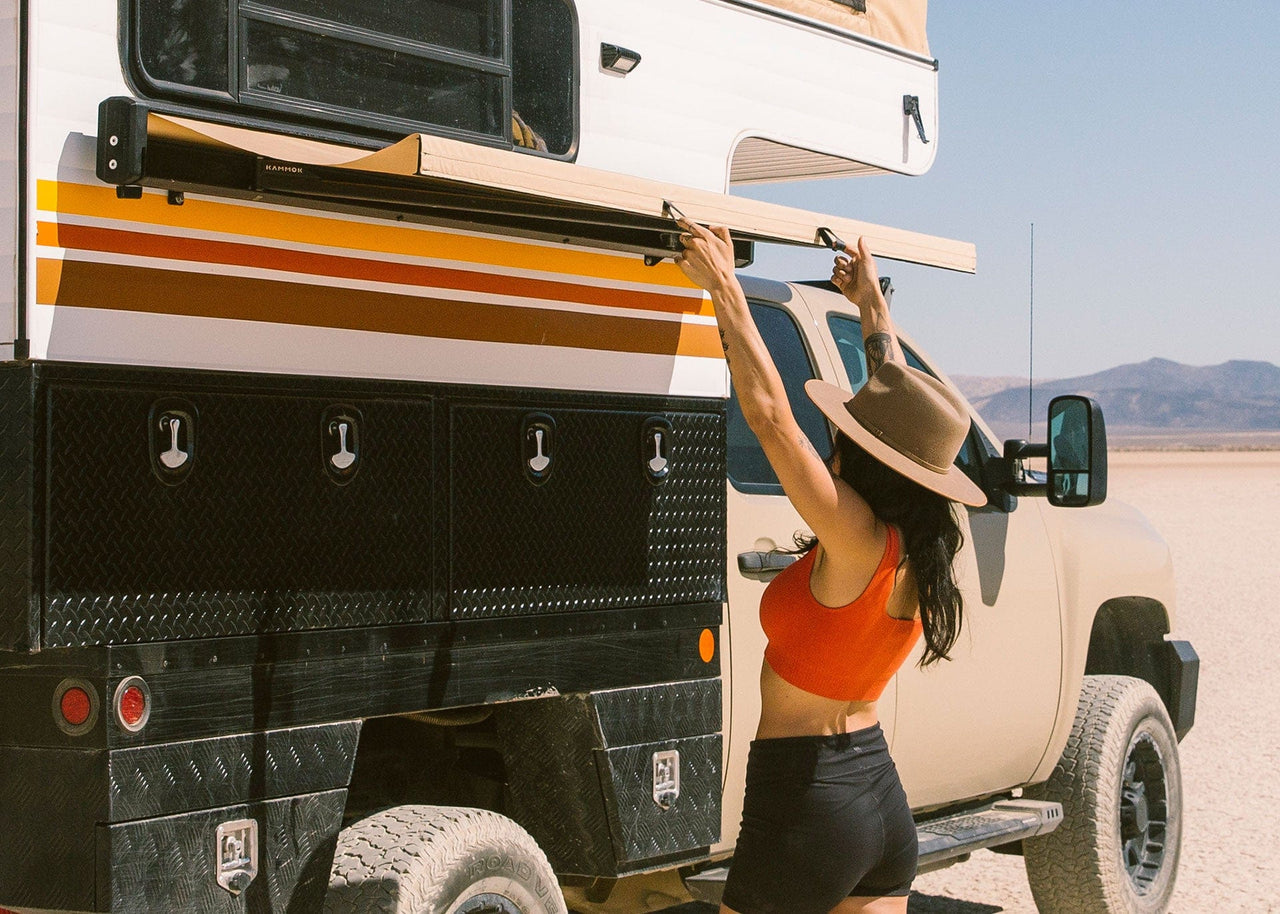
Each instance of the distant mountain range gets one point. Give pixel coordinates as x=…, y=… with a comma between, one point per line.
x=1157, y=397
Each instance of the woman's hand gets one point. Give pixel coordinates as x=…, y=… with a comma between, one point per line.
x=857, y=277
x=707, y=258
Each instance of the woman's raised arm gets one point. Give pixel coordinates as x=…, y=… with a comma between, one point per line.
x=857, y=277
x=831, y=509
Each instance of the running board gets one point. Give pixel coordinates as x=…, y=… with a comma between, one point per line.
x=942, y=840
x=1003, y=822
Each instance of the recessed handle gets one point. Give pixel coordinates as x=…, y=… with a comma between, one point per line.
x=173, y=439
x=538, y=447
x=341, y=442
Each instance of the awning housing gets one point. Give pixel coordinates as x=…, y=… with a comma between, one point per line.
x=455, y=183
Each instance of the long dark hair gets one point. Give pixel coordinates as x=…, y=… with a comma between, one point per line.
x=931, y=538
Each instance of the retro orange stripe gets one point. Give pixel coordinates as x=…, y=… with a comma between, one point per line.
x=85, y=238
x=373, y=236
x=123, y=288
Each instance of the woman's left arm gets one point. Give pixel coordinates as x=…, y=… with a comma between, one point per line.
x=831, y=510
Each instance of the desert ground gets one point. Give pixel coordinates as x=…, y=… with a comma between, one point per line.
x=1220, y=513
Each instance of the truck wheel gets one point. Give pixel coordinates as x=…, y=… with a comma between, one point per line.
x=1120, y=787
x=440, y=860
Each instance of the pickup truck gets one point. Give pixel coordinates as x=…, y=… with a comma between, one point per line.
x=380, y=533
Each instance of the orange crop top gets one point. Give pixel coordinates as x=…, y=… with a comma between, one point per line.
x=847, y=654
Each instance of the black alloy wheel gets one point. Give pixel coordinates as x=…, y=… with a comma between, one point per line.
x=1143, y=812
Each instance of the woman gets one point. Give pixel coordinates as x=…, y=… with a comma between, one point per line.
x=825, y=823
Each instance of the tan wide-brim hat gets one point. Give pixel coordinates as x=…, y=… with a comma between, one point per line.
x=909, y=421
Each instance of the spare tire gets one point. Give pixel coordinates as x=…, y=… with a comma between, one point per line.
x=440, y=860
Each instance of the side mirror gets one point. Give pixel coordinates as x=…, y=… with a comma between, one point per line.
x=1077, y=453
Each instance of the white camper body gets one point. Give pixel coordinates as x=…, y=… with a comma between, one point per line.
x=724, y=91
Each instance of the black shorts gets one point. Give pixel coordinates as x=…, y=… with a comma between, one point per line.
x=824, y=817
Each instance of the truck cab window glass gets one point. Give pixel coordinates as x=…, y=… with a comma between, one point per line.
x=847, y=333
x=749, y=469
x=466, y=68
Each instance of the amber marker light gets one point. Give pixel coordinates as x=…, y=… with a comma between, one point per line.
x=707, y=645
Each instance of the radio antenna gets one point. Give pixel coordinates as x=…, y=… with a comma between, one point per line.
x=1031, y=334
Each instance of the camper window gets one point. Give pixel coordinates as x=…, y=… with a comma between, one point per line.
x=493, y=71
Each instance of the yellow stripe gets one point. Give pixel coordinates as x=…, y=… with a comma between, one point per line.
x=230, y=218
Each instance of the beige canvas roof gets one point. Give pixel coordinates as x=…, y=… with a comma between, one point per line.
x=897, y=22
x=549, y=183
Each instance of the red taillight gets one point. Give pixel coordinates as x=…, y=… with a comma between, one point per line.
x=75, y=706
x=133, y=704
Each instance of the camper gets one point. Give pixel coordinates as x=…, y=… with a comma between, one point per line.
x=381, y=533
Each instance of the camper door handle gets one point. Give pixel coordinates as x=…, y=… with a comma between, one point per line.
x=764, y=563
x=911, y=108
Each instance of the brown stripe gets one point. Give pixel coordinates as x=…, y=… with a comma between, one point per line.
x=112, y=286
x=88, y=238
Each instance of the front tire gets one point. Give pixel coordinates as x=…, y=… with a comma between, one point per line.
x=440, y=860
x=1120, y=786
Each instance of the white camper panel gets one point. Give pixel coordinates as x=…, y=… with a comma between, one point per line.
x=228, y=282
x=716, y=77
x=261, y=287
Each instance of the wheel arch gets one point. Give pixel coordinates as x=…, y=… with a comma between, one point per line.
x=1128, y=638
x=1125, y=638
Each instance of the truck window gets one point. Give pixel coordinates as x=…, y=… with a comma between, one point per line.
x=485, y=70
x=749, y=469
x=847, y=333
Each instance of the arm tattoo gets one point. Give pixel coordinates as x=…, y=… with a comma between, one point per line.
x=724, y=344
x=879, y=349
x=807, y=446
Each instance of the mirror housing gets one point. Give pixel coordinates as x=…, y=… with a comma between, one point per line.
x=1076, y=453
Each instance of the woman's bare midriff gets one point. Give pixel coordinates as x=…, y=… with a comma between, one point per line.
x=789, y=711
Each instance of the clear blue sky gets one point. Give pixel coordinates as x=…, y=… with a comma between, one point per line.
x=1141, y=138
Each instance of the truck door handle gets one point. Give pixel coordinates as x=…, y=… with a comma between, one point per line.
x=764, y=564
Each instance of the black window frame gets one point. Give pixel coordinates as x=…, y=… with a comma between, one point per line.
x=823, y=447
x=330, y=122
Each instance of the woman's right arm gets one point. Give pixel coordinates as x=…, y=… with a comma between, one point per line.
x=862, y=287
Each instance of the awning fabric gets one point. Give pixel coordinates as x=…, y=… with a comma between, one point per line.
x=468, y=184
x=897, y=22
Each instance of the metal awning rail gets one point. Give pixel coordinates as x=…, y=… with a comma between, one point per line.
x=455, y=183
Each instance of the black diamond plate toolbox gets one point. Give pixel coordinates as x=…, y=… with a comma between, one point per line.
x=159, y=866
x=596, y=532
x=117, y=827
x=611, y=782
x=19, y=616
x=146, y=505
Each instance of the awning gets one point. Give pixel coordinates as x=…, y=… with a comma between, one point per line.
x=452, y=182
